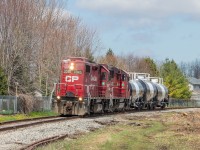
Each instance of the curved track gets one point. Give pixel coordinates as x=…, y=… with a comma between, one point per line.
x=59, y=137
x=11, y=125
x=44, y=141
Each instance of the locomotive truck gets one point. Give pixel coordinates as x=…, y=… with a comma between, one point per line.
x=86, y=87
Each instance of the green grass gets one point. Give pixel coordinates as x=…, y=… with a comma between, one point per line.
x=146, y=134
x=4, y=118
x=118, y=137
x=6, y=112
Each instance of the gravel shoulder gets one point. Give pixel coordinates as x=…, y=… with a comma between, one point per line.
x=19, y=138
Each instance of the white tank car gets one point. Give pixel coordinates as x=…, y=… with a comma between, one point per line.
x=153, y=93
x=136, y=90
x=162, y=92
x=150, y=90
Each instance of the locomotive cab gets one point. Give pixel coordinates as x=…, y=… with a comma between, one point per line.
x=78, y=86
x=124, y=84
x=71, y=80
x=103, y=82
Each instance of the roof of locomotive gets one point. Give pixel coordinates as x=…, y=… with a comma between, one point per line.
x=111, y=67
x=82, y=59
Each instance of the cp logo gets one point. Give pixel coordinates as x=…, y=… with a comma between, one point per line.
x=71, y=78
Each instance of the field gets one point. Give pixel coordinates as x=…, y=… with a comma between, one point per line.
x=168, y=131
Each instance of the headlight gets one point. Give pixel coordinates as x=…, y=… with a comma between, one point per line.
x=58, y=97
x=80, y=98
x=71, y=66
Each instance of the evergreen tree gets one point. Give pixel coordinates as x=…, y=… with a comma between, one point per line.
x=111, y=58
x=109, y=52
x=152, y=67
x=175, y=81
x=3, y=83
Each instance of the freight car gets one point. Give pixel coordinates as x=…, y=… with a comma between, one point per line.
x=147, y=92
x=86, y=87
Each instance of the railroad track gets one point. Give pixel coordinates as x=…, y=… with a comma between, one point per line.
x=39, y=143
x=43, y=142
x=11, y=125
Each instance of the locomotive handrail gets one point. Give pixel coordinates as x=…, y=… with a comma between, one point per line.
x=67, y=85
x=120, y=89
x=59, y=85
x=88, y=90
x=76, y=88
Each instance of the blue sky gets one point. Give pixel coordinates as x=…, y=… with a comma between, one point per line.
x=156, y=28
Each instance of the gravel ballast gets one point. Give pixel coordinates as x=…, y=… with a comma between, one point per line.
x=16, y=139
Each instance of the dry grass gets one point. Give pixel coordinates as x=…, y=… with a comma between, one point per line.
x=172, y=131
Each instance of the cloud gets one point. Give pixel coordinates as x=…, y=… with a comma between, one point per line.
x=139, y=13
x=148, y=8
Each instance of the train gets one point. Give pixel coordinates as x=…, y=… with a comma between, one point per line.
x=87, y=88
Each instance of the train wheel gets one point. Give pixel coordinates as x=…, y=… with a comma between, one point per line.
x=148, y=107
x=163, y=106
x=140, y=106
x=152, y=106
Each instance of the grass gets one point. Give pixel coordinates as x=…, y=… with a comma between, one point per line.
x=146, y=134
x=6, y=112
x=4, y=118
x=118, y=137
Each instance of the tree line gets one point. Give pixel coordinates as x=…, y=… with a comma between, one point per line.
x=35, y=35
x=174, y=78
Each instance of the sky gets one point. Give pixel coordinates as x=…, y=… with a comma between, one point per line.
x=159, y=29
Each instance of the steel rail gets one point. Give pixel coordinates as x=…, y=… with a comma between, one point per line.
x=36, y=144
x=37, y=122
x=29, y=119
x=11, y=125
x=42, y=142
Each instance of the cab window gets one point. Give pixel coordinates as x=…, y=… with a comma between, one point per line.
x=103, y=76
x=123, y=77
x=87, y=68
x=68, y=71
x=111, y=75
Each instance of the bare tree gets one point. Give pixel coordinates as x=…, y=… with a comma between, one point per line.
x=35, y=35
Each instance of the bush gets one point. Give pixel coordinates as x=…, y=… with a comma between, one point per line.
x=26, y=103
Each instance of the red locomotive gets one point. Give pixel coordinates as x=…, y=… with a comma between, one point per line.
x=86, y=87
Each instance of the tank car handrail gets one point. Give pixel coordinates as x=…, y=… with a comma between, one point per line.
x=159, y=80
x=135, y=75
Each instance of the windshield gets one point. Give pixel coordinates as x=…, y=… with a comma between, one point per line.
x=75, y=68
x=72, y=71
